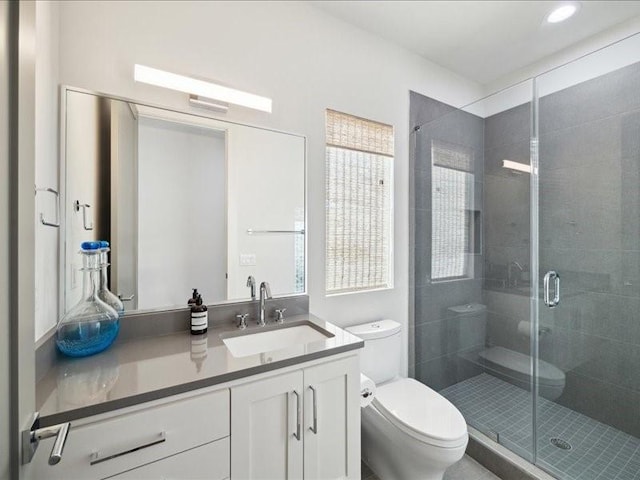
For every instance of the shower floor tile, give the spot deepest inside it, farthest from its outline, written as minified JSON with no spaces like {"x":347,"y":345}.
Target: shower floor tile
{"x":597,"y":451}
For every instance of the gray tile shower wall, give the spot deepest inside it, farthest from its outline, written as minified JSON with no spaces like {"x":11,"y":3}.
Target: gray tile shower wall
{"x":440,"y":335}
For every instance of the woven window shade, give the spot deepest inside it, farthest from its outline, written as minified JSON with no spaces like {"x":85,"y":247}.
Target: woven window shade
{"x":452,"y":156}
{"x":452,"y":194}
{"x":359,"y":166}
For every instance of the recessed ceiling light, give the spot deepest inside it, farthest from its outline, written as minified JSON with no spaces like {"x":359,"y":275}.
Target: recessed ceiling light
{"x":562,"y":13}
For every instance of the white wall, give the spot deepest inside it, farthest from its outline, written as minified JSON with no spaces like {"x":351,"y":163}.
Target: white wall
{"x":304,"y":59}
{"x":6,"y":432}
{"x":611,"y":51}
{"x":602,"y":40}
{"x":181,"y":209}
{"x":46,"y":133}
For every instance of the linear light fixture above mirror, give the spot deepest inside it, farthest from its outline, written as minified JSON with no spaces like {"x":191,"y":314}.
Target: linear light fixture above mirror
{"x":208,"y":103}
{"x":201,"y":88}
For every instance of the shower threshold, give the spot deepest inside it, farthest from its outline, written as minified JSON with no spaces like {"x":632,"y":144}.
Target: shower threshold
{"x":571,"y":446}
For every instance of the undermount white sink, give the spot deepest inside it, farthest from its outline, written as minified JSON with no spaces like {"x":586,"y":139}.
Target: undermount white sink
{"x":283,"y":337}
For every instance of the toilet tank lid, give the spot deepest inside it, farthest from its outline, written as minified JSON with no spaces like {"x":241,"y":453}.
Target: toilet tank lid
{"x":377,"y":329}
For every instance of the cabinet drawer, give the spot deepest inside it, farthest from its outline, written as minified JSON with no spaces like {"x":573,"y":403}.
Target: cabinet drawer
{"x":210,"y":462}
{"x":118,"y":444}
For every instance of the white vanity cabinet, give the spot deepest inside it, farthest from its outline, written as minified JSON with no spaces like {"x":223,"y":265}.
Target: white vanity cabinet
{"x":108,"y":445}
{"x":304,"y":424}
{"x":297,"y":422}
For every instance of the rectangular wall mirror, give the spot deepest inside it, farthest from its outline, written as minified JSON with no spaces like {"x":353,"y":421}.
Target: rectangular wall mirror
{"x":185,"y":201}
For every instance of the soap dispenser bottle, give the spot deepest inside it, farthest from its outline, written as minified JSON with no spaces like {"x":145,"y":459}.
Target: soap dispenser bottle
{"x":192,"y":301}
{"x":199,"y":317}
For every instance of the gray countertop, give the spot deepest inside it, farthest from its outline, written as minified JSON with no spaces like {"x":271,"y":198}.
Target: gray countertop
{"x":145,"y":369}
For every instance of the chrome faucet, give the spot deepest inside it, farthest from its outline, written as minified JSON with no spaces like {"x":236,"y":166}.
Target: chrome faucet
{"x":513,"y":282}
{"x":251,"y":283}
{"x":265,"y":294}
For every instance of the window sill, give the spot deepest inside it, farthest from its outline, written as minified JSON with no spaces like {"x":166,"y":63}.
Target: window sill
{"x":354,"y":292}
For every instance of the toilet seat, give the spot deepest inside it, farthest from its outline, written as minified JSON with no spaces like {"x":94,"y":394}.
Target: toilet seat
{"x":421,"y":413}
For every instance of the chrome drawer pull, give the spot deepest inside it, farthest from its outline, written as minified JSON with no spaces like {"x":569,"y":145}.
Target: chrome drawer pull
{"x":314,"y":427}
{"x":97,"y":457}
{"x":296,"y":434}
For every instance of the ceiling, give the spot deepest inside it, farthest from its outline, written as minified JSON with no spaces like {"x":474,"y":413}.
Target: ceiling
{"x":480,"y":40}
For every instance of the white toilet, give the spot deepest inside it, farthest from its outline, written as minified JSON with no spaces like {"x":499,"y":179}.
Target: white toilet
{"x":409,"y":432}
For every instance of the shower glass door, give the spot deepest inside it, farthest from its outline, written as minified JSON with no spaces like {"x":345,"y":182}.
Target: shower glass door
{"x":526,"y":290}
{"x":587,"y":404}
{"x":472,"y":336}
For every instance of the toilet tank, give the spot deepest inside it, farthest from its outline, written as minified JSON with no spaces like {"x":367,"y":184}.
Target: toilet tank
{"x":382,"y":353}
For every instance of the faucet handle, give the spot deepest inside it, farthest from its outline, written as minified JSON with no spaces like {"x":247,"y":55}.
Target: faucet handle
{"x":242,"y":320}
{"x":280,"y":314}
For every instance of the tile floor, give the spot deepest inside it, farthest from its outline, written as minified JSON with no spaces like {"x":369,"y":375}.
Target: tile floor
{"x":598,"y":451}
{"x":465,"y":469}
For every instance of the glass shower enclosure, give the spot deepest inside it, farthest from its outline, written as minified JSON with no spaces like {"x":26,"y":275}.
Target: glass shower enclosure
{"x":526,"y":287}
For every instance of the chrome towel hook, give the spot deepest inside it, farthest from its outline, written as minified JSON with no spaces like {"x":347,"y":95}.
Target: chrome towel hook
{"x":84,"y":206}
{"x":56,"y":223}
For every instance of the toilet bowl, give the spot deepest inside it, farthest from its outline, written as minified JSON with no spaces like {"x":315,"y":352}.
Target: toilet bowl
{"x":409,"y":432}
{"x":515,"y":368}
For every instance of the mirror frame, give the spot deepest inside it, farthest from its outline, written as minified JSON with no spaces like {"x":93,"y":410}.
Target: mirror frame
{"x":62,"y":186}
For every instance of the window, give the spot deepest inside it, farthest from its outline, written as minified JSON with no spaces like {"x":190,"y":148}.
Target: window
{"x":453,"y":218}
{"x":359,"y":177}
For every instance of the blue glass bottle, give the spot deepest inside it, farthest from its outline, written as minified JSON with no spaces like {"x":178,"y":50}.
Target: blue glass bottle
{"x":91,"y":325}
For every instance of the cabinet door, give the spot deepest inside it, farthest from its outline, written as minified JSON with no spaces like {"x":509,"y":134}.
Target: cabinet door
{"x":332,"y":420}
{"x":266,"y":428}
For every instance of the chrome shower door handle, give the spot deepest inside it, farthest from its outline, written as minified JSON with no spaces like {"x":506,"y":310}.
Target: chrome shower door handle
{"x":551,"y":275}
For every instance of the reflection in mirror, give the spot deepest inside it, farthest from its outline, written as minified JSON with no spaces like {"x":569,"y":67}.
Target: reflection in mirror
{"x":185,"y":201}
